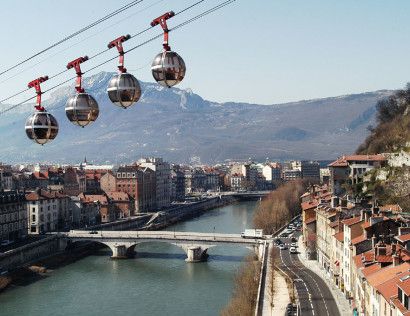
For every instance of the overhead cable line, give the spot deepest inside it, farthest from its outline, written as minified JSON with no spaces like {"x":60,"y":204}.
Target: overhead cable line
{"x":101,"y":52}
{"x":77,"y":43}
{"x":108,"y":16}
{"x":213,"y":9}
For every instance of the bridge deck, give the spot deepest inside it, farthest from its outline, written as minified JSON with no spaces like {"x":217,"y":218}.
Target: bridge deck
{"x":161,"y":235}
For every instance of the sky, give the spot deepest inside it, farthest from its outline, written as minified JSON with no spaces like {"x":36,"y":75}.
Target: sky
{"x":261,"y":51}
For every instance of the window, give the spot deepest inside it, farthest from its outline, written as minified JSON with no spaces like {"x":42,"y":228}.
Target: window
{"x":33,"y":217}
{"x":406,"y":301}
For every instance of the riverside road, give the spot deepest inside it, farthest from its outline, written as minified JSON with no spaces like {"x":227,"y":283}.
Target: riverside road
{"x":314,"y":295}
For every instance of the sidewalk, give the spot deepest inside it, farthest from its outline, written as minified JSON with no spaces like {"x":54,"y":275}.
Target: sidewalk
{"x":275,"y":305}
{"x":313,"y":265}
{"x":281,"y":295}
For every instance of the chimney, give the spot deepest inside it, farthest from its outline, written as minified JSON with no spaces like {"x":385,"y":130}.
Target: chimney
{"x":366,"y":216}
{"x":396,"y":260}
{"x":374,"y":241}
{"x":334,"y":202}
{"x":362,"y":217}
{"x":393,"y":248}
{"x":382,"y":250}
{"x":375,"y":210}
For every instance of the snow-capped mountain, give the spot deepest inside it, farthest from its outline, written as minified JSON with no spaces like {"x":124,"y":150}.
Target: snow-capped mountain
{"x":179,"y":124}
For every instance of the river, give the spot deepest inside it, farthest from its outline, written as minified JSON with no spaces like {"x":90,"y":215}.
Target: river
{"x":156,"y":282}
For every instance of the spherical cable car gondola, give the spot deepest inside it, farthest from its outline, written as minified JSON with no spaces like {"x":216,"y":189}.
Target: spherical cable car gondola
{"x":81,"y":109}
{"x":123,"y":89}
{"x":41,"y":127}
{"x":168,"y":68}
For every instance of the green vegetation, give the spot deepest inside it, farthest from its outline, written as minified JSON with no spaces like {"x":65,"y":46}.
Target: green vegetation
{"x":392,"y":132}
{"x":389,"y":185}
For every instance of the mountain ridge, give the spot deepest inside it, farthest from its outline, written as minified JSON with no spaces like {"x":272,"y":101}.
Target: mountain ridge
{"x":180,"y":125}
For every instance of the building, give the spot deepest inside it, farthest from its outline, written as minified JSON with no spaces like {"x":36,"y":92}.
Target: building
{"x":162,"y":172}
{"x":177,"y":184}
{"x":84,"y":213}
{"x":47,"y":211}
{"x":351,"y":169}
{"x":291,"y":174}
{"x":123,"y":206}
{"x":140,"y":184}
{"x":272,"y":171}
{"x":310,"y":170}
{"x":105,"y":209}
{"x":74,"y":181}
{"x":13,"y":215}
{"x":108,"y":182}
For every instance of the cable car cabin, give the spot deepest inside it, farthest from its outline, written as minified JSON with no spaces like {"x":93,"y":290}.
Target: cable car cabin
{"x":168,"y":68}
{"x":124,"y":90}
{"x":82,"y":109}
{"x":41,"y":127}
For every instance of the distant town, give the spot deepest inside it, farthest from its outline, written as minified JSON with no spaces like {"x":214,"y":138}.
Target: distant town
{"x":38,"y":199}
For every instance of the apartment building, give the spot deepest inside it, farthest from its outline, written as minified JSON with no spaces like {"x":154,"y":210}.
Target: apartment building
{"x":13,"y":215}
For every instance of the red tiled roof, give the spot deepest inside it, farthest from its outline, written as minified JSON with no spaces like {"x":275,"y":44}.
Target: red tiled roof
{"x":309,"y":205}
{"x":339,"y":236}
{"x":391,"y":207}
{"x":311,"y":220}
{"x":358,"y":239}
{"x":405,"y":286}
{"x":44,"y":195}
{"x":370,"y":270}
{"x":118,"y":196}
{"x":40,"y":175}
{"x":93,"y":198}
{"x":400,"y":306}
{"x":403,"y":238}
{"x":387,"y":273}
{"x":352,"y":221}
{"x":343,"y":161}
{"x":389,"y":288}
{"x":334,"y":224}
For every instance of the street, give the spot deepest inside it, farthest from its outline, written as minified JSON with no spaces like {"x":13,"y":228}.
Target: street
{"x":314,"y":295}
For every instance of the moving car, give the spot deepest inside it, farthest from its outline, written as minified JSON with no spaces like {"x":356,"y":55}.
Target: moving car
{"x":293,"y":250}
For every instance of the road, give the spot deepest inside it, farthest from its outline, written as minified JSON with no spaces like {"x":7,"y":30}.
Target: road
{"x":314,"y":295}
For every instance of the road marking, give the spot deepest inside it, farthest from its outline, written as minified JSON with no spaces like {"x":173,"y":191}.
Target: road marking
{"x":314,"y":281}
{"x":297,"y":278}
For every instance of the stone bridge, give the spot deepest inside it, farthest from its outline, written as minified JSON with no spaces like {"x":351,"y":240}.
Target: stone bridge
{"x":195,"y":245}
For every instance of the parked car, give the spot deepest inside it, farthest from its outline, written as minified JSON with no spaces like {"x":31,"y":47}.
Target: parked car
{"x":278,"y":241}
{"x":294,"y":244}
{"x":282,"y":247}
{"x":291,"y":310}
{"x":294,"y":239}
{"x":293,"y":250}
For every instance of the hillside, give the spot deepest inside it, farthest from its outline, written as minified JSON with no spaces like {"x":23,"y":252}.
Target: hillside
{"x":179,"y":125}
{"x":391,"y":134}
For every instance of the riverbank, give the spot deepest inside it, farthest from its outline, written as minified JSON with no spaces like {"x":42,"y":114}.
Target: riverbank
{"x":157,"y":279}
{"x":51,"y":257}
